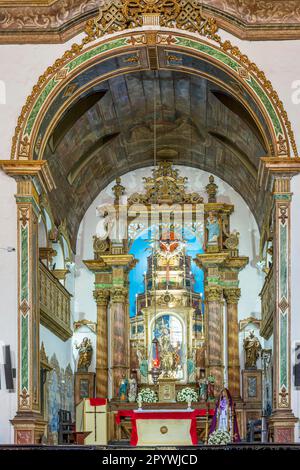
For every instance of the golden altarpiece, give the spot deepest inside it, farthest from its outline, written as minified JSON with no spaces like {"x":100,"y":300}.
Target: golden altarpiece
{"x":189,"y":326}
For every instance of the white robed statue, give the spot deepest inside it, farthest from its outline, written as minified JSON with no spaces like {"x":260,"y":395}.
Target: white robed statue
{"x":224,"y":414}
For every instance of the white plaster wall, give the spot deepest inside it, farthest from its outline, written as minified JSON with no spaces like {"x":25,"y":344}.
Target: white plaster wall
{"x":242,"y":220}
{"x":21,"y":66}
{"x":54,"y":345}
{"x":8,"y":304}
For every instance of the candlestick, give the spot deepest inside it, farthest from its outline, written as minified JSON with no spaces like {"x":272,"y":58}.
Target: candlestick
{"x":184,"y":270}
{"x":191,"y":294}
{"x":202,"y":317}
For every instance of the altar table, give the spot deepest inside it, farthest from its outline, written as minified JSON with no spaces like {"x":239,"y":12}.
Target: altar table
{"x":164,"y":427}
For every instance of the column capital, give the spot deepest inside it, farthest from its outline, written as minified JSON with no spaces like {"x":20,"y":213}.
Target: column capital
{"x":213,"y":294}
{"x":272,"y":169}
{"x":232,"y":295}
{"x":20,"y":169}
{"x":119,"y":294}
{"x":102,"y":296}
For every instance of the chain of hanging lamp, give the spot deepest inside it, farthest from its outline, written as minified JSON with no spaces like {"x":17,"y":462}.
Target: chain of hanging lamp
{"x":156,"y":370}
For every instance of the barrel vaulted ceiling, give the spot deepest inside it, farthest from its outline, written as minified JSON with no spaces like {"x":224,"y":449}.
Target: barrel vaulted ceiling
{"x":110,"y":131}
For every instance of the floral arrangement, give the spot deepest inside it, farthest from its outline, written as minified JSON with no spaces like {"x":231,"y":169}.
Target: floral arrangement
{"x":147,"y":396}
{"x":219,"y":438}
{"x":187,"y":395}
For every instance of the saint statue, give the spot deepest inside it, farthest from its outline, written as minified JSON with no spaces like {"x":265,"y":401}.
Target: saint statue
{"x":252,"y":349}
{"x":213,"y":229}
{"x":167,"y":352}
{"x":225,"y":418}
{"x":191,"y":366}
{"x":132,"y":391}
{"x":85,"y":355}
{"x":211,"y":387}
{"x":203,"y":386}
{"x":123,"y":388}
{"x":143,"y":363}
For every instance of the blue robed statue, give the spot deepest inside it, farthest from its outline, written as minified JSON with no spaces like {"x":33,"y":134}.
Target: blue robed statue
{"x":213,"y":228}
{"x":123,"y":389}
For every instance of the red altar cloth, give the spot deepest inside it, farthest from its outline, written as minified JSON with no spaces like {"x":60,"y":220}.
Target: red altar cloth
{"x":192,"y":415}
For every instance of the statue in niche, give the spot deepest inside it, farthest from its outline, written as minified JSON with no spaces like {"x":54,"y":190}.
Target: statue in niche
{"x":213,"y":229}
{"x":252,"y":349}
{"x":132,"y":390}
{"x":169,"y":355}
{"x":123,"y":388}
{"x":85,"y":355}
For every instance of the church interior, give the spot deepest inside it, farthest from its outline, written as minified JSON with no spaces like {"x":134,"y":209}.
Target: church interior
{"x":149,"y":184}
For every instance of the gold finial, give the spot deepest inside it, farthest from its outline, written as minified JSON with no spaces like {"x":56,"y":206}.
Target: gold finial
{"x":212,"y":189}
{"x":118,"y":190}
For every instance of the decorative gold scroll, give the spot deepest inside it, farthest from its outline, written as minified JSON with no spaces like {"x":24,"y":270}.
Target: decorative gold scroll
{"x":117,"y":15}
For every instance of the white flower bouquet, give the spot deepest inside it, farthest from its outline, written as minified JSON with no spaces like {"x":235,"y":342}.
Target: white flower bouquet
{"x":219,"y":438}
{"x":187,"y":395}
{"x":147,"y":396}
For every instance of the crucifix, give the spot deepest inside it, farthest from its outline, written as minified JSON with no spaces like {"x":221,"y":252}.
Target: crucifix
{"x":95,"y":413}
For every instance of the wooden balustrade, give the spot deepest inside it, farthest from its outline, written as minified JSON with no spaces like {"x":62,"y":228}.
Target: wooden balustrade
{"x":55,"y":304}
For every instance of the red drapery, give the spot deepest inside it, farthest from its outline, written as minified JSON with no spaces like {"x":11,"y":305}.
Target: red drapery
{"x":98,"y":401}
{"x":192,"y":415}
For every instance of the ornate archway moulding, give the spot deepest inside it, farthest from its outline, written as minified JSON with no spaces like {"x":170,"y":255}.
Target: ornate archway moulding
{"x":46,"y":21}
{"x":228,"y":56}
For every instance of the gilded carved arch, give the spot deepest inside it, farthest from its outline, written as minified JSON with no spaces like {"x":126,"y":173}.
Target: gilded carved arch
{"x":154,"y":24}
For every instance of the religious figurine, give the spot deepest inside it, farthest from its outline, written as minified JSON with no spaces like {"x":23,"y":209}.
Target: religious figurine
{"x":143,"y":363}
{"x":191,"y":367}
{"x":123,"y":388}
{"x":132,"y":391}
{"x":225,"y":418}
{"x":213,"y":229}
{"x":211,"y":387}
{"x":203,"y":386}
{"x":85,"y":355}
{"x":252,"y":349}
